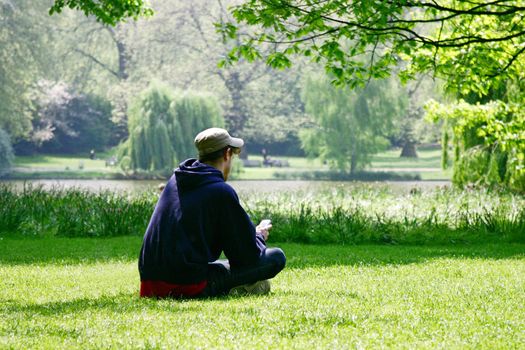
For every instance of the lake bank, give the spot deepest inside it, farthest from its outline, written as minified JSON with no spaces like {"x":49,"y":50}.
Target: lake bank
{"x":242,"y":186}
{"x":310,"y":212}
{"x":384,"y":166}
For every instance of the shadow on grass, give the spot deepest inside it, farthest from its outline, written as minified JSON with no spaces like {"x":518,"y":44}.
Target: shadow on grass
{"x":67,"y":251}
{"x":62,"y":251}
{"x":120,"y":303}
{"x":304,"y":256}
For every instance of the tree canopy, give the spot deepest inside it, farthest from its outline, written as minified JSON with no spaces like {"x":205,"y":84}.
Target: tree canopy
{"x":107,"y":11}
{"x":474,"y":44}
{"x":162,"y":126}
{"x":348,"y":125}
{"x":22,"y":60}
{"x":488,"y":140}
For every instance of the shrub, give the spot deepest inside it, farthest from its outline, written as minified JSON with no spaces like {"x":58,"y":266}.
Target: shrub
{"x":67,"y":121}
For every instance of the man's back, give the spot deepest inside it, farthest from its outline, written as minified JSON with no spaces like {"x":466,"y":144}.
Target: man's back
{"x":197,"y":217}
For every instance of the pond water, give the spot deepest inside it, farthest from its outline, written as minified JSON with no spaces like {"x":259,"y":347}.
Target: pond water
{"x":264,"y":186}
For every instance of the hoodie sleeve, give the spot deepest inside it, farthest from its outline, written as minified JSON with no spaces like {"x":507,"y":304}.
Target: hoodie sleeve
{"x":242,"y":245}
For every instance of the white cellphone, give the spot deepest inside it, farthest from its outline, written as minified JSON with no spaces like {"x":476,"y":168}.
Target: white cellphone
{"x":265,"y":223}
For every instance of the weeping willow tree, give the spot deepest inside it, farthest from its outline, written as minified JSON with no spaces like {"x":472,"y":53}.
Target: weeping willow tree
{"x":195,"y":112}
{"x":150,"y":120}
{"x":162,"y":126}
{"x":348,"y":125}
{"x":488,"y":141}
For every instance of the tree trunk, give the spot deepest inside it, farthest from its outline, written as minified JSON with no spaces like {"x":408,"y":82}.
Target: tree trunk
{"x":409,"y":150}
{"x":353,"y":163}
{"x":237,"y":115}
{"x":122,"y":60}
{"x":122,"y":54}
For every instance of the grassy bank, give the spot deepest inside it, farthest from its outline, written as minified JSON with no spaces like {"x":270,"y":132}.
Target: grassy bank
{"x":80,"y":293}
{"x":330,"y":214}
{"x":64,"y":167}
{"x":386,"y":165}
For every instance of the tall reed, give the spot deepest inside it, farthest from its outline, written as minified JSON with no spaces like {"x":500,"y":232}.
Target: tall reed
{"x":74,"y":212}
{"x":335,"y":214}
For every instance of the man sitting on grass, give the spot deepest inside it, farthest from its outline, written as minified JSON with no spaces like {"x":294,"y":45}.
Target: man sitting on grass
{"x":198,"y":216}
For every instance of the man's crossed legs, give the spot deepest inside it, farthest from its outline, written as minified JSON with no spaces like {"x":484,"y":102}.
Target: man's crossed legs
{"x":253,"y":279}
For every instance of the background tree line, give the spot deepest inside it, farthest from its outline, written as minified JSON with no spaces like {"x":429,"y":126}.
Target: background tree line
{"x":479,"y":61}
{"x":111,"y":65}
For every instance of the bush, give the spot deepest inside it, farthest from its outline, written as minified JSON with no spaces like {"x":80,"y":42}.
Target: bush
{"x":66,"y":121}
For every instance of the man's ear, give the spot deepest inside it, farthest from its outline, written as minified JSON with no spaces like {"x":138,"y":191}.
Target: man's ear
{"x":226,"y":152}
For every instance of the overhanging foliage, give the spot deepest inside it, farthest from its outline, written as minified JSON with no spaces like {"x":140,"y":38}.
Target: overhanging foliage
{"x":474,"y":45}
{"x":107,"y":11}
{"x":489,"y":142}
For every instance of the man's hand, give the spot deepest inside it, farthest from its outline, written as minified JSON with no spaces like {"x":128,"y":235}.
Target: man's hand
{"x":264,"y":228}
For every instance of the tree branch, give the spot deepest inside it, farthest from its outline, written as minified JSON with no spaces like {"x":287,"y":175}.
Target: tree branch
{"x":473,"y":10}
{"x":101,"y":64}
{"x":396,"y":30}
{"x":509,"y":63}
{"x":372,"y":61}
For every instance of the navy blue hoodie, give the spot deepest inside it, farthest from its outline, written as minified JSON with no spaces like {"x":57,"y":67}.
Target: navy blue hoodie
{"x":197,"y":217}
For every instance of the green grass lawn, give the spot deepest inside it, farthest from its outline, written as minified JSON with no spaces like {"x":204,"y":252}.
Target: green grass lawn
{"x":82,"y":293}
{"x":51,"y":166}
{"x":427,"y":166}
{"x":427,"y":158}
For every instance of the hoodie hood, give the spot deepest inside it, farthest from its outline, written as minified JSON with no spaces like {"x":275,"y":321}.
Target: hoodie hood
{"x":191,"y":173}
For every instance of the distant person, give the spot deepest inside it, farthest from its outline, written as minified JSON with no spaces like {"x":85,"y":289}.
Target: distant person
{"x":266,"y":159}
{"x":198,"y":216}
{"x":92,"y":154}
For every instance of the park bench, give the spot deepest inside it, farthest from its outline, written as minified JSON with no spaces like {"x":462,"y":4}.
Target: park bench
{"x":279,"y":163}
{"x":251,"y":163}
{"x":111,"y":161}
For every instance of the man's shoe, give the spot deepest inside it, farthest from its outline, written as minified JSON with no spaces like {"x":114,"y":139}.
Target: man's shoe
{"x":257,"y":288}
